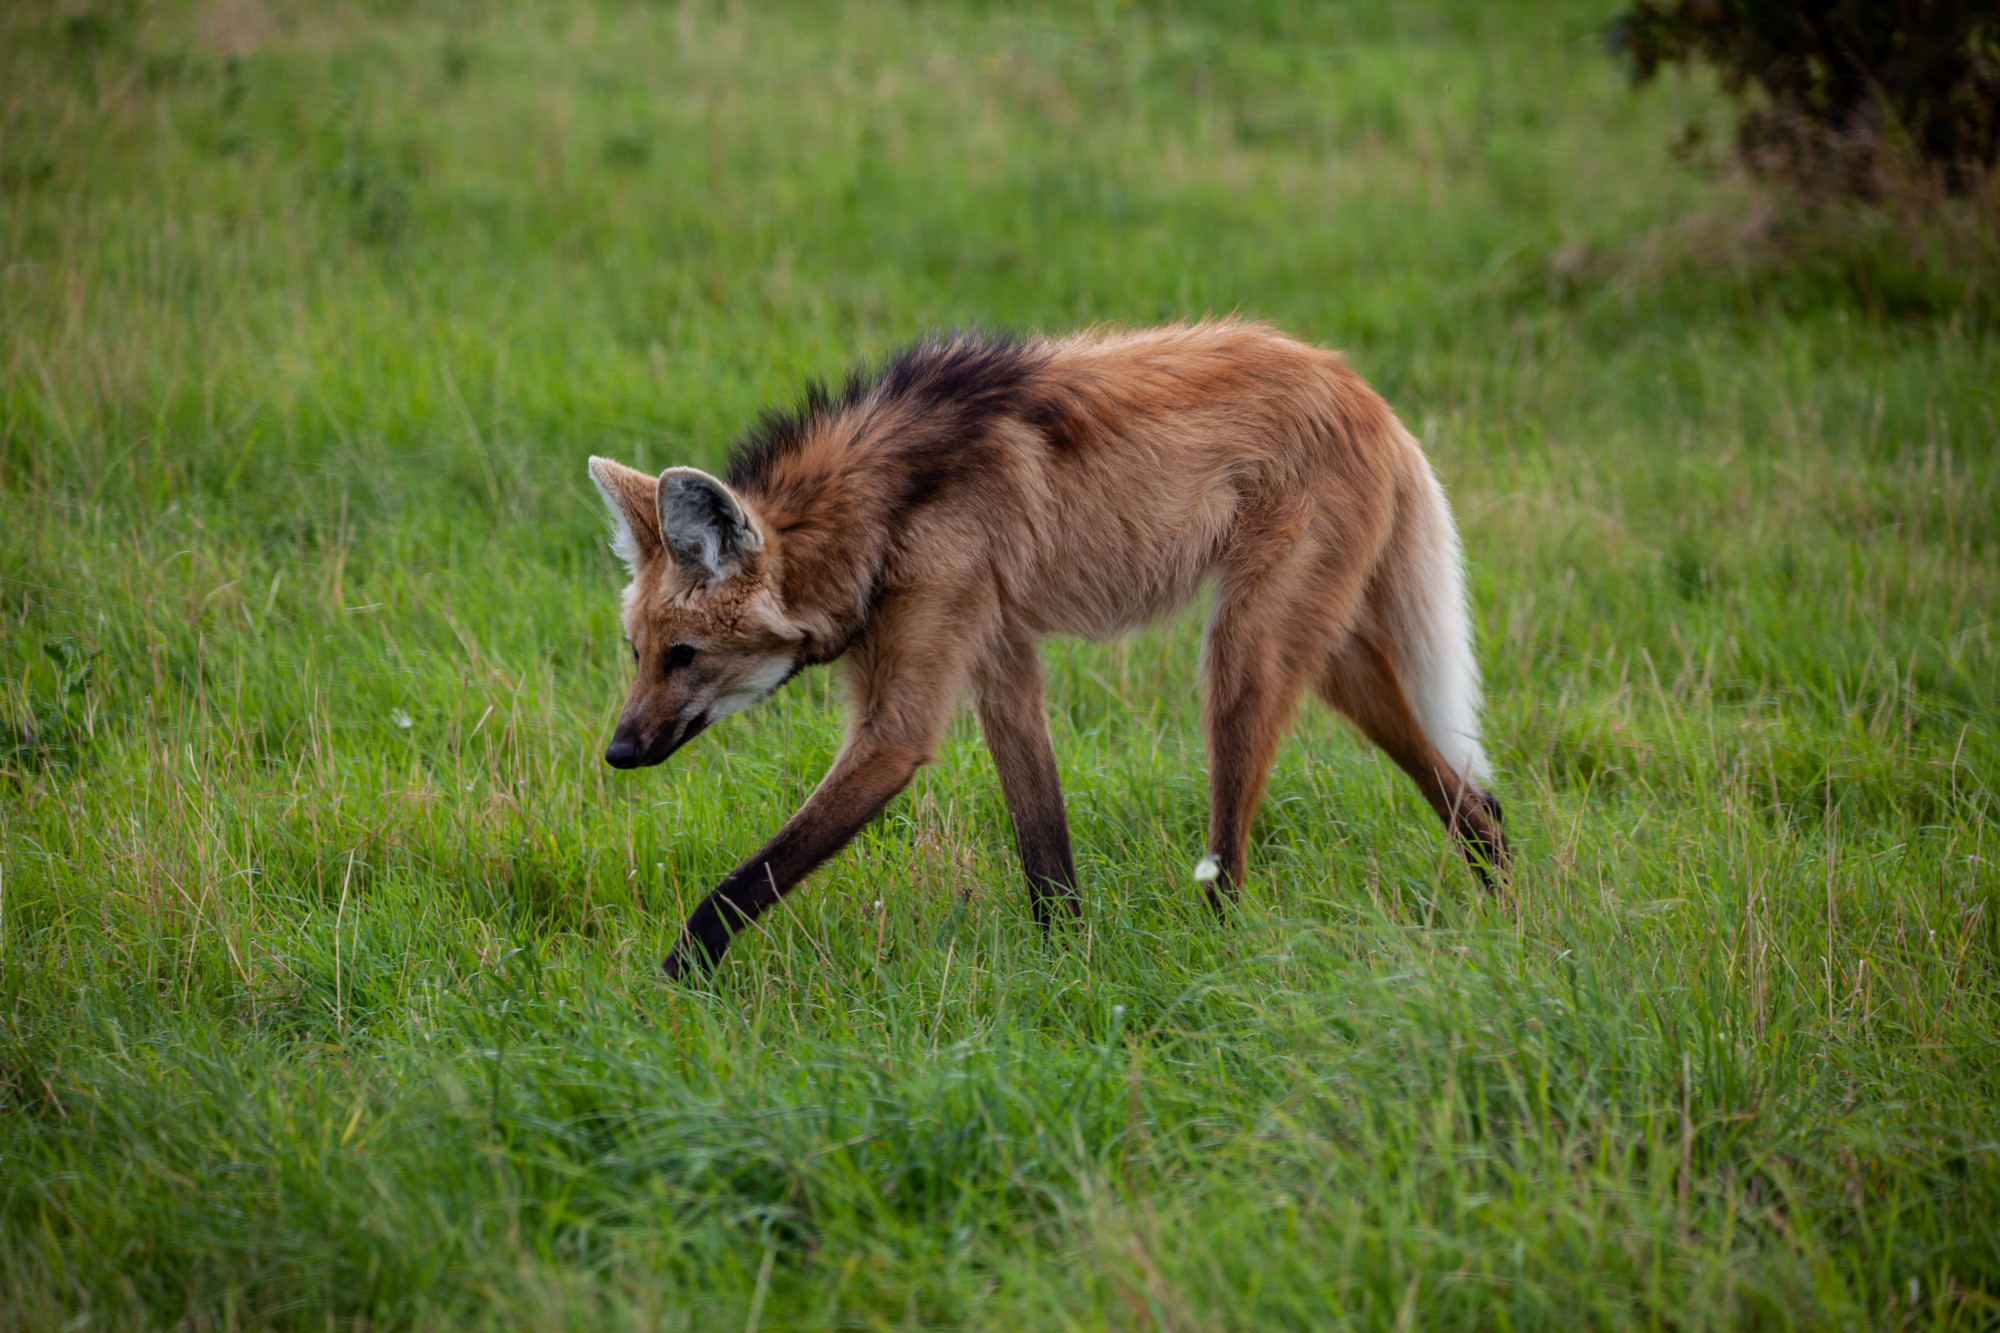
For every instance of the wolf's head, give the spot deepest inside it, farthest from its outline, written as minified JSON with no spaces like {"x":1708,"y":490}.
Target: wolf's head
{"x":708,"y":632}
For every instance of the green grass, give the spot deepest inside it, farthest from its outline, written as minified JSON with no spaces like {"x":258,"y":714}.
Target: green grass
{"x":328,"y":991}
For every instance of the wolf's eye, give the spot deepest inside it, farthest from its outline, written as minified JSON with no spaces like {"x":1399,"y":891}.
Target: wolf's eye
{"x":679,"y":656}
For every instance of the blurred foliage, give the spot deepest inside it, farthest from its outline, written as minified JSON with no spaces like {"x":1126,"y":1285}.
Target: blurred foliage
{"x":1835,"y":90}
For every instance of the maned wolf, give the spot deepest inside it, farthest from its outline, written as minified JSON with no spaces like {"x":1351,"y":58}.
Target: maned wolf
{"x":932,"y":520}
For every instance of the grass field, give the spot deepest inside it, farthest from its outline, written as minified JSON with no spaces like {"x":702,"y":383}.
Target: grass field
{"x":328,"y":947}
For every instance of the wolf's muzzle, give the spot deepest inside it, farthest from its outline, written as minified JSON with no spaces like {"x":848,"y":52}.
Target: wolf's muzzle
{"x":626,"y":751}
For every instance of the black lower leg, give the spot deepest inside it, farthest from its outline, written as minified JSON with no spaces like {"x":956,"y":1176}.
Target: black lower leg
{"x":1220,"y":872}
{"x":1480,"y":837}
{"x":832,"y":816}
{"x":1049,"y":895}
{"x":710,"y":927}
{"x":1042,"y":839}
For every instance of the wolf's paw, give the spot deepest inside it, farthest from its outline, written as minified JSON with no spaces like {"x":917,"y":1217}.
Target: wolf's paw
{"x":680,"y":965}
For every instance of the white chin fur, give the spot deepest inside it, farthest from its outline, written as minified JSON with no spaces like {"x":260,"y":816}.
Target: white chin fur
{"x":753,"y":689}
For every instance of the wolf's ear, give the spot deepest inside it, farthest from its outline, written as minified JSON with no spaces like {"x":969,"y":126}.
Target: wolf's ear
{"x":628,"y":494}
{"x":707,"y":530}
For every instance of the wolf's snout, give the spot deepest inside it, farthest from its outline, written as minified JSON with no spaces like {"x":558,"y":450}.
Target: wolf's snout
{"x":630,"y":750}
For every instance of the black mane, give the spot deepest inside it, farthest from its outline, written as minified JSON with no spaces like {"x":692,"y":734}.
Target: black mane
{"x":966,"y":377}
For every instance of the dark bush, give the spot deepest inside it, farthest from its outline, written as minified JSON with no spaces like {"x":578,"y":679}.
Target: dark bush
{"x":1841,"y":94}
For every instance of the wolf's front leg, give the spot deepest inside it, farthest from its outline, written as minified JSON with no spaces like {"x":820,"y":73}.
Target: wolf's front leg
{"x":905,"y":674}
{"x":863,"y":780}
{"x":1016,"y":725}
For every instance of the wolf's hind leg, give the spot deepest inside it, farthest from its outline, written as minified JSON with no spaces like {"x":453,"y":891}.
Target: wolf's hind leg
{"x":1360,"y":682}
{"x":1253,"y":674}
{"x":1012,"y":716}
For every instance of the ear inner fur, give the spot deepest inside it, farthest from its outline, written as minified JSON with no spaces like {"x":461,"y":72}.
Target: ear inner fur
{"x":704,"y":524}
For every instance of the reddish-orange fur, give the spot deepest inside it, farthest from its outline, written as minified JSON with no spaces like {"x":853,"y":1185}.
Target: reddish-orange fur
{"x":933,"y":524}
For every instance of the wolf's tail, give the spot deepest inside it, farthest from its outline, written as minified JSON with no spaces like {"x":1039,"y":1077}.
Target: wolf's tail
{"x":1421,"y":597}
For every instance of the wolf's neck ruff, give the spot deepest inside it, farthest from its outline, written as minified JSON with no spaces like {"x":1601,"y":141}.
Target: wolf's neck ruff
{"x":845,"y":471}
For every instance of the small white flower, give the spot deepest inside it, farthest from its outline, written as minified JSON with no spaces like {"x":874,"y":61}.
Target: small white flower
{"x":400,"y":718}
{"x":1207,"y":870}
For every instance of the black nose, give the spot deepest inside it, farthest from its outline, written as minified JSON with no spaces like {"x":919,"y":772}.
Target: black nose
{"x":621,"y":753}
